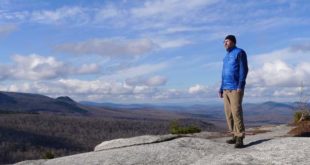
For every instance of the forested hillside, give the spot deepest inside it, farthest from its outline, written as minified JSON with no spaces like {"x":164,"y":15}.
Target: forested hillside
{"x":36,"y":136}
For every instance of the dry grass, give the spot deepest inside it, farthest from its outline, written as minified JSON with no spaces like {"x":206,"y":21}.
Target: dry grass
{"x":302,"y":129}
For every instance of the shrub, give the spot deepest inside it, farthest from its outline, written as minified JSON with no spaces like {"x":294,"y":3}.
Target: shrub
{"x":302,"y":129}
{"x":297,"y":116}
{"x":301,"y":115}
{"x":303,"y":107}
{"x":48,"y":155}
{"x":175,"y":128}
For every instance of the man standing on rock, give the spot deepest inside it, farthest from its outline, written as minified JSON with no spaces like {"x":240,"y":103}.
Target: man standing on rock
{"x":234,"y":73}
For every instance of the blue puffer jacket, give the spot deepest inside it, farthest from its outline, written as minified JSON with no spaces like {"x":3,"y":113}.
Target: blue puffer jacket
{"x":235,"y":69}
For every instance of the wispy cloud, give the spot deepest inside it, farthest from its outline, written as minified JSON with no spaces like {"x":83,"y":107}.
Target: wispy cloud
{"x":151,"y":81}
{"x":136,"y":71}
{"x":109,"y":47}
{"x":7,"y":29}
{"x":171,"y":43}
{"x":120,"y":47}
{"x":60,"y":15}
{"x":164,"y":16}
{"x":168,"y":8}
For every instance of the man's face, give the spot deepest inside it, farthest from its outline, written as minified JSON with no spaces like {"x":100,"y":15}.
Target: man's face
{"x":228,"y":44}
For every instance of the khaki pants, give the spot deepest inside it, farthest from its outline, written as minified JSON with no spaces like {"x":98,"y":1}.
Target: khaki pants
{"x":233,"y":111}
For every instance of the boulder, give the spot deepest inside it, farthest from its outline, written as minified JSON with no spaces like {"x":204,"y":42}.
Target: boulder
{"x":269,"y":145}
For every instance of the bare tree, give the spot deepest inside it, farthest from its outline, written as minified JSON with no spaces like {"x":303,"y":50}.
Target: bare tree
{"x":302,"y":110}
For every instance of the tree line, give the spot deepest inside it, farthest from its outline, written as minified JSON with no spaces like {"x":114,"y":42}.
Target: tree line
{"x":33,"y":136}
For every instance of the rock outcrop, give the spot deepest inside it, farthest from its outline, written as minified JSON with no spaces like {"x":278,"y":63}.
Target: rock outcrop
{"x":266,"y":145}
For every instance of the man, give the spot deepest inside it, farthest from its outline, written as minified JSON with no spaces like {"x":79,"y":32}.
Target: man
{"x":234,"y":73}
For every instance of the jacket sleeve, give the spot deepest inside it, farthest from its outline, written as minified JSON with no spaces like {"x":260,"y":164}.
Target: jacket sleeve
{"x":221,"y":87}
{"x":243,"y":70}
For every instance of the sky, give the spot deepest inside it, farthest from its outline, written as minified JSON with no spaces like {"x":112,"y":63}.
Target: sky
{"x":152,"y":51}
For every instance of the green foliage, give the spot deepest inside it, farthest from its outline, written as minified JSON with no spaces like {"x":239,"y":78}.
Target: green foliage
{"x":297,"y":116}
{"x":301,"y":114}
{"x":48,"y":155}
{"x":175,"y":128}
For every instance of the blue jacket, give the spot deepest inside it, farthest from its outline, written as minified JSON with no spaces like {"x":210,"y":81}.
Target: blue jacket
{"x":235,"y":69}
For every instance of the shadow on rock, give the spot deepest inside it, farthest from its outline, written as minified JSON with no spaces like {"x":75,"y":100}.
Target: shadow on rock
{"x":256,"y":142}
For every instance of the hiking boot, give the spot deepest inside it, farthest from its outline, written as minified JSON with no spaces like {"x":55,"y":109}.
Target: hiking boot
{"x":231,"y":141}
{"x":239,"y":142}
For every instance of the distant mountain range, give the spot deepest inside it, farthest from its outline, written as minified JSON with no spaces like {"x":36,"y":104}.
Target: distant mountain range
{"x":36,"y":124}
{"x":174,"y":107}
{"x":35,"y":103}
{"x":267,"y":112}
{"x":13,"y":102}
{"x":255,"y":113}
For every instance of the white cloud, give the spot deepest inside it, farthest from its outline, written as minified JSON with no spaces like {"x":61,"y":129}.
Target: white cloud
{"x":110,"y":47}
{"x":117,"y":47}
{"x":143,"y":91}
{"x":286,"y":92}
{"x":279,"y":73}
{"x":196,"y":89}
{"x":172,"y":43}
{"x":285,"y":67}
{"x":81,"y":89}
{"x":184,"y":29}
{"x":137,"y":87}
{"x":272,"y":74}
{"x":169,"y":94}
{"x":69,"y":15}
{"x":104,"y":90}
{"x":156,"y":81}
{"x":36,"y":67}
{"x":60,"y":15}
{"x":169,"y":8}
{"x":108,"y":12}
{"x":87,"y":69}
{"x":273,"y":93}
{"x":276,"y":21}
{"x":136,"y":71}
{"x":76,"y":86}
{"x":172,"y":16}
{"x":160,"y":24}
{"x":305,"y":47}
{"x":151,"y":81}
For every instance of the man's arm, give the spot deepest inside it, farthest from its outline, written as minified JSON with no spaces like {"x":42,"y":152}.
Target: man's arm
{"x":220,"y":93}
{"x":243,"y":70}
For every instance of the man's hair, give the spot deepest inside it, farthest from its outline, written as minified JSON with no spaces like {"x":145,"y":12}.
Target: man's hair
{"x":231,"y":38}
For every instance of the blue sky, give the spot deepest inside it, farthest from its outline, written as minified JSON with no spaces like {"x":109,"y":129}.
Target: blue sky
{"x":152,"y":51}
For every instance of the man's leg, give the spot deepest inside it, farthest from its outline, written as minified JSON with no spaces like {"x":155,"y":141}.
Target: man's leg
{"x":236,"y":109}
{"x":229,"y":116}
{"x":228,"y":113}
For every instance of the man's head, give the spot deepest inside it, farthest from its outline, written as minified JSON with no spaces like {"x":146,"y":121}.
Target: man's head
{"x":230,"y":42}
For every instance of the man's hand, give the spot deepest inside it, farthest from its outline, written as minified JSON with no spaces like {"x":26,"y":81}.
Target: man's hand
{"x":220,"y":94}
